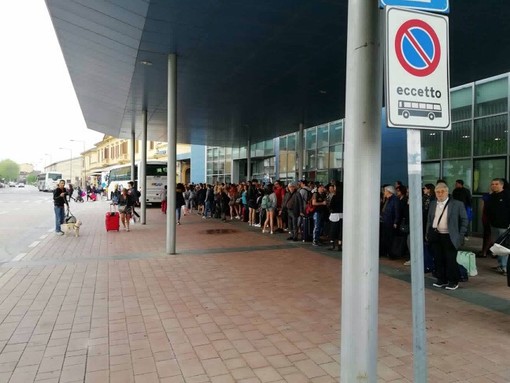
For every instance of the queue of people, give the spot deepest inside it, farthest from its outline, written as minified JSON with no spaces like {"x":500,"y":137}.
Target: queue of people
{"x":307,"y":211}
{"x":446,"y":219}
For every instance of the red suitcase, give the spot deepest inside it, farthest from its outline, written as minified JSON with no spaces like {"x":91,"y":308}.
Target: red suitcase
{"x":112,"y":221}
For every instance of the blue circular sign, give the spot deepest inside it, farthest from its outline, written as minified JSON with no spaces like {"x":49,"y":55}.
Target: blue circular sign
{"x":417,"y":48}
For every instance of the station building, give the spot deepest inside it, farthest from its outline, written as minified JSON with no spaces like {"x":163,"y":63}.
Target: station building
{"x":476,"y":149}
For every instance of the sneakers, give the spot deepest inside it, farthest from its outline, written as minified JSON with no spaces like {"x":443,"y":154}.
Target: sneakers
{"x":407,"y":263}
{"x":499,"y":269}
{"x":59,"y":233}
{"x":452,"y":286}
{"x":447,"y":286}
{"x":257,"y":225}
{"x":315,"y":243}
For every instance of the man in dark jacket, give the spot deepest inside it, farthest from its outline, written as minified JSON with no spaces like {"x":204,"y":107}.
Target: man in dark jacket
{"x":294,"y":206}
{"x":447,"y":224}
{"x":389,"y":219}
{"x":59,"y":203}
{"x":498,"y":214}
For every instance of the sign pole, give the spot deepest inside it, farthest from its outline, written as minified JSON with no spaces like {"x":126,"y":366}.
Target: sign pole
{"x":416,"y":251}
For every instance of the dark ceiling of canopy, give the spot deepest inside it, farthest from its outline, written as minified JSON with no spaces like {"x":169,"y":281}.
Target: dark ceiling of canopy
{"x":246,"y":69}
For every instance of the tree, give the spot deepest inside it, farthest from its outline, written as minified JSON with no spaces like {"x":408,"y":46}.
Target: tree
{"x":31,"y":179}
{"x":9,"y":170}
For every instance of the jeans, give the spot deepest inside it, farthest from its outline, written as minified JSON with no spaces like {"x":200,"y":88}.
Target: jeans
{"x":495,"y":233}
{"x":317,"y":220}
{"x":208,"y":208}
{"x":59,"y":217}
{"x":178,"y":213}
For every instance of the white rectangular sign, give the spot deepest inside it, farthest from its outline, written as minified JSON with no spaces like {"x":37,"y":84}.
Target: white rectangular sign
{"x":426,"y":5}
{"x":417,"y":70}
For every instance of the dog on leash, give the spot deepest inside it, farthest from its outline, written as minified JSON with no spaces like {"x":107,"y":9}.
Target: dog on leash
{"x":69,"y":228}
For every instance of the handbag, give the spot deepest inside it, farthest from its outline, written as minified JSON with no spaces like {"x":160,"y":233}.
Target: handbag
{"x":404,"y":228}
{"x":69,"y":218}
{"x":502,"y":244}
{"x":122,"y":208}
{"x":335,"y":217}
{"x":434,"y":235}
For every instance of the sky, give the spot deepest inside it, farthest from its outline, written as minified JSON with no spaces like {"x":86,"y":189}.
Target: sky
{"x":39,"y":111}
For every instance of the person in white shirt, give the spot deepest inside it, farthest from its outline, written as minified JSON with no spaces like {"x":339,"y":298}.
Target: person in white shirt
{"x":447,"y":223}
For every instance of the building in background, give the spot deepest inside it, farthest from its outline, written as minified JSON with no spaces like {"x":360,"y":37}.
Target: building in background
{"x":476,"y":149}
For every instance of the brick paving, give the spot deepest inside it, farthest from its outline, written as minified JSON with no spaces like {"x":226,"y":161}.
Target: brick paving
{"x":236,"y":307}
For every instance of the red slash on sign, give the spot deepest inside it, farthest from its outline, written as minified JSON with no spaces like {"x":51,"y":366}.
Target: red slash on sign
{"x":417,"y":48}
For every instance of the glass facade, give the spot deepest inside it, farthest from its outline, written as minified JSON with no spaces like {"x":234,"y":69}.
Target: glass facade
{"x":476,"y":149}
{"x":323,"y":157}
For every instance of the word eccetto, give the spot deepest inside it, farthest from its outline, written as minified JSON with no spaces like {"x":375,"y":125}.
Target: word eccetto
{"x":420,"y":92}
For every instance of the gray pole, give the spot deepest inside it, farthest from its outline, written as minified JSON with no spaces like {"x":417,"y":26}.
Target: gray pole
{"x":172,"y":142}
{"x":133,"y":154}
{"x":360,"y":257}
{"x":417,"y":272}
{"x":142,"y":170}
{"x":300,"y":151}
{"x":71,"y":166}
{"x":248,"y":161}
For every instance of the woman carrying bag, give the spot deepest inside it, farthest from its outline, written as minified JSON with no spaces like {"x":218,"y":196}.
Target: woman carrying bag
{"x":336,"y":209}
{"x":125,"y":207}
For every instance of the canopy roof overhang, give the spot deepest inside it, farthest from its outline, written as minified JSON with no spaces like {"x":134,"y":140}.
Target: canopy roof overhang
{"x":246,"y":69}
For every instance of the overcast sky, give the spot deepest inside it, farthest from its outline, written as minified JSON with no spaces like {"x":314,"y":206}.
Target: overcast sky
{"x":39,"y":111}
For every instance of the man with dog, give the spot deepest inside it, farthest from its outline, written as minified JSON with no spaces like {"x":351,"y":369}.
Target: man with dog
{"x":59,"y":201}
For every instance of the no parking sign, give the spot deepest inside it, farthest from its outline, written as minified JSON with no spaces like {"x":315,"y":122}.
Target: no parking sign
{"x":417,"y":70}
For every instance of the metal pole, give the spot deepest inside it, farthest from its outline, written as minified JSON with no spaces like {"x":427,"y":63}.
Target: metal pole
{"x":172,"y":142}
{"x":416,"y":250}
{"x":142,"y":170}
{"x":71,"y":166}
{"x":84,"y":182}
{"x":248,"y":161}
{"x":133,"y":154}
{"x":360,"y":258}
{"x":300,"y":151}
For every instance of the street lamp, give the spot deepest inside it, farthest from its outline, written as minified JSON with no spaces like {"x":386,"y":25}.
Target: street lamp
{"x":70,"y":163}
{"x":51,"y":159}
{"x":84,"y":181}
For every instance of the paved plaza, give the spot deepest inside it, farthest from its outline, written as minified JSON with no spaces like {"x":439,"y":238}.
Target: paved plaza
{"x":234,"y":305}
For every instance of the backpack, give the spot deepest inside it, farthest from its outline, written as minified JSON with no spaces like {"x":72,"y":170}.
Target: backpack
{"x":310,"y":208}
{"x":266,"y":203}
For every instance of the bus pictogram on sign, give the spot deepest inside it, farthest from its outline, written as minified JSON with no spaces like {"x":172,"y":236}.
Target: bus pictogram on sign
{"x":417,"y":48}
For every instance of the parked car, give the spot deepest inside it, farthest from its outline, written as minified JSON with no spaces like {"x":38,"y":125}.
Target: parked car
{"x":12,"y":184}
{"x":21,"y":185}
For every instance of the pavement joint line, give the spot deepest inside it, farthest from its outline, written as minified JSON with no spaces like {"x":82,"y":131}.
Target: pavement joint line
{"x":43,"y":236}
{"x":133,"y":257}
{"x":18,"y":257}
{"x":34,"y":244}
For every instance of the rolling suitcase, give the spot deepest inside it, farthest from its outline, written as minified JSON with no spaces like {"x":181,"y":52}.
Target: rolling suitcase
{"x":112,"y":220}
{"x":307,"y":229}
